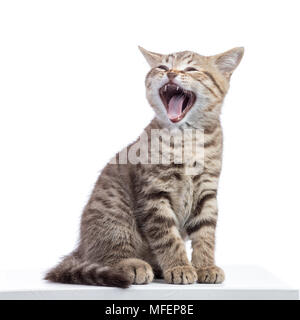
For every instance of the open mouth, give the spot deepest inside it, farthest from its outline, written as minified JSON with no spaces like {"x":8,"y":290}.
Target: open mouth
{"x":176,"y":100}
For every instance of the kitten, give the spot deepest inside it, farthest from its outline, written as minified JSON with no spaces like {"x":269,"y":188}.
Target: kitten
{"x":141,"y":211}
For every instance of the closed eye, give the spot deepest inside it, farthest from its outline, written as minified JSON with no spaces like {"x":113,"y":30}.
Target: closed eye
{"x":190,"y":69}
{"x":163,"y":67}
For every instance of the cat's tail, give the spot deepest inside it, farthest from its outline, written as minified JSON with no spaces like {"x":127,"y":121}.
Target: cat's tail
{"x":72,"y":271}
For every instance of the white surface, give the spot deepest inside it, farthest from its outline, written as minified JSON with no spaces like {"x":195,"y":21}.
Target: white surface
{"x":71,"y":68}
{"x":241,"y":283}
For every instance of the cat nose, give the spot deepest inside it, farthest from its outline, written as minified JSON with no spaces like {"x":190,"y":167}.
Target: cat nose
{"x":171,"y":75}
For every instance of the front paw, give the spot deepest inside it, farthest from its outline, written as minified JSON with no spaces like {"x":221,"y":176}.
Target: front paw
{"x":212,"y":274}
{"x":180,"y":275}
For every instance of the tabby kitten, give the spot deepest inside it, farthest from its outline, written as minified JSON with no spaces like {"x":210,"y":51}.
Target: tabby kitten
{"x":140,"y":212}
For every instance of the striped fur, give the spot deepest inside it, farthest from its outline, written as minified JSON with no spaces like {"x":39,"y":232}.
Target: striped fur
{"x":139,"y":215}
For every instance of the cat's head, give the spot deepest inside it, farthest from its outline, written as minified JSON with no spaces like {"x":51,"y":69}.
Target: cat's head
{"x":185,"y":88}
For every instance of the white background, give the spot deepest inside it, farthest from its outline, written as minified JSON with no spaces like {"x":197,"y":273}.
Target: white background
{"x":72,"y":94}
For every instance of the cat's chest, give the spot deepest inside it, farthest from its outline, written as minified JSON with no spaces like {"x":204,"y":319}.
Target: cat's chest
{"x":183,"y":199}
{"x":186,"y":189}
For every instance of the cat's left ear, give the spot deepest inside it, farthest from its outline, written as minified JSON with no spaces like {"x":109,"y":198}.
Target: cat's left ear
{"x":152,"y":58}
{"x":227,"y":62}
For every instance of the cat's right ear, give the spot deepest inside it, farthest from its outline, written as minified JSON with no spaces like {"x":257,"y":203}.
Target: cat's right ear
{"x":227,"y":62}
{"x":152,"y":58}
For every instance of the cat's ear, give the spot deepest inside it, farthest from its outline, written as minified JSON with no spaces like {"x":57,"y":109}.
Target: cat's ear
{"x":152,"y":58}
{"x":227,"y":62}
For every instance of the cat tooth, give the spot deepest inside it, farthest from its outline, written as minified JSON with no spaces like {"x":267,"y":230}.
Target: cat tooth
{"x":177,"y":88}
{"x":165,"y":88}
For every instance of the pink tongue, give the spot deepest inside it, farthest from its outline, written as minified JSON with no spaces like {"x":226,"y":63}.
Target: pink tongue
{"x":175,"y":107}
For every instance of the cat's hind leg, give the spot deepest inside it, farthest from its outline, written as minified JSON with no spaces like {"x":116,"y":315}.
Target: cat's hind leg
{"x":109,"y":231}
{"x":136,"y":270}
